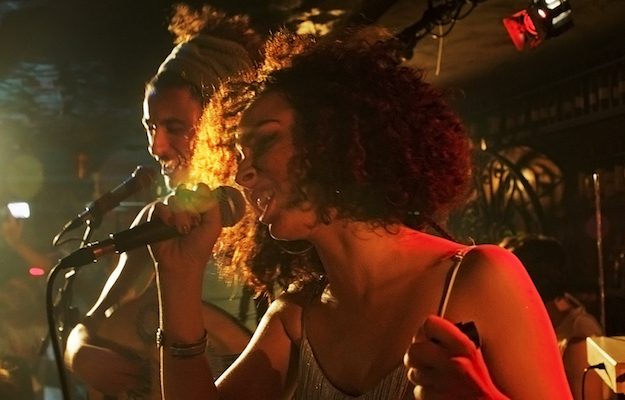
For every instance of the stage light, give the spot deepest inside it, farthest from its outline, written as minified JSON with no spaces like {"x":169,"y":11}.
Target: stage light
{"x":541,"y":20}
{"x":522,"y":30}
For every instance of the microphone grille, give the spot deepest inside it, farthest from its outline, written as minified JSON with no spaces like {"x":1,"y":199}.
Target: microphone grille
{"x":231,"y":205}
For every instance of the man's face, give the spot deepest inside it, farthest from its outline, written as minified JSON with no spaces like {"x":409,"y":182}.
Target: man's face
{"x":170,"y":117}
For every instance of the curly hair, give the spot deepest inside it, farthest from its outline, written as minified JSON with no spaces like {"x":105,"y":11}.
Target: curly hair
{"x":373,"y":141}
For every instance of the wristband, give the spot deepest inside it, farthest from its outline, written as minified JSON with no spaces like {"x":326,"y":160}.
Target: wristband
{"x":184,"y":350}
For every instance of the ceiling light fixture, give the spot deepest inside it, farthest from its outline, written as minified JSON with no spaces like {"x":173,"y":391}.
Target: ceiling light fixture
{"x":438,"y":13}
{"x":541,"y":20}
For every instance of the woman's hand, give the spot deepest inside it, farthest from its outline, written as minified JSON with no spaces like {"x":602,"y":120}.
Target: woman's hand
{"x":195,"y":215}
{"x":445,"y":364}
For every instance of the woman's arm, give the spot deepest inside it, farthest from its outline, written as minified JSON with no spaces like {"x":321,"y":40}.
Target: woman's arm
{"x":263,"y":369}
{"x":268,"y":367}
{"x":518,"y":359}
{"x":519,"y":343}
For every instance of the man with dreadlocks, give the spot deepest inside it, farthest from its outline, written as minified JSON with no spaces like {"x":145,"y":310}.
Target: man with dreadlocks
{"x":210,"y":48}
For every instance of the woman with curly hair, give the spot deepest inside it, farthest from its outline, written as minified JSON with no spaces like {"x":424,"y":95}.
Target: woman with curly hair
{"x":342,"y":148}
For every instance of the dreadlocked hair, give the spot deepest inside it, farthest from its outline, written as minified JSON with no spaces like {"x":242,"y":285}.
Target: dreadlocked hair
{"x":187,"y":23}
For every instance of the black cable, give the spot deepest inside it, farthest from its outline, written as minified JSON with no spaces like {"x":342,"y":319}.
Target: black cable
{"x":473,"y":5}
{"x":597,"y":366}
{"x":445,"y":13}
{"x":452,"y":21}
{"x":52,"y":330}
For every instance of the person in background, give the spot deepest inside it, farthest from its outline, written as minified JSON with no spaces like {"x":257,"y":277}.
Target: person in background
{"x":210,"y":48}
{"x":29,"y":260}
{"x":22,"y":313}
{"x":546,"y":262}
{"x":342,"y":148}
{"x":15,"y":380}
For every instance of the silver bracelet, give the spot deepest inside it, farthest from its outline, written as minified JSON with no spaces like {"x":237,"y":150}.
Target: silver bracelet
{"x":184,"y":350}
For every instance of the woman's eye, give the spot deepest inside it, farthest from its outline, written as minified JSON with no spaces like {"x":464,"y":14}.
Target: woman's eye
{"x":256,"y":146}
{"x":262,"y":144}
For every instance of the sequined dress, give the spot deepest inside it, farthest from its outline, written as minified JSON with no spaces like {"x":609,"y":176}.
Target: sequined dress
{"x":314,"y":385}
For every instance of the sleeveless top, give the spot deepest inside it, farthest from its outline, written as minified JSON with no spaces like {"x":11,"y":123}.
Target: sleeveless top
{"x":312,"y":384}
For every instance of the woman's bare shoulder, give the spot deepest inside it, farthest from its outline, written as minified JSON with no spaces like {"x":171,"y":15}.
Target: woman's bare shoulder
{"x":490,"y":272}
{"x":288,"y":308}
{"x":491,"y":259}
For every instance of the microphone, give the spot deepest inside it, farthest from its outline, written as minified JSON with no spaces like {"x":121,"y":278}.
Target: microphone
{"x":231,"y":209}
{"x":140,"y":179}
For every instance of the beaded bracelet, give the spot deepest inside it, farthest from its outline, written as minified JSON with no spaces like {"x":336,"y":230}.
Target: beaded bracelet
{"x":184,"y":350}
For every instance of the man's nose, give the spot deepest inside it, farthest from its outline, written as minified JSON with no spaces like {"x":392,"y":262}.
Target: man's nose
{"x":158,"y":143}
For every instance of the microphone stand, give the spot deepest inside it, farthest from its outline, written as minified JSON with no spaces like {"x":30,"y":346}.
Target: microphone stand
{"x":63,"y":304}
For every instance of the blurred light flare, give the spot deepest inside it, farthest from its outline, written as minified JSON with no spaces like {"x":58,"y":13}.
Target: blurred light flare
{"x":19,"y":209}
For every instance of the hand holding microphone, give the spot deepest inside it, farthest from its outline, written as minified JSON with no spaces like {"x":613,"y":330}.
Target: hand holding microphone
{"x":190,"y":216}
{"x":199,"y":220}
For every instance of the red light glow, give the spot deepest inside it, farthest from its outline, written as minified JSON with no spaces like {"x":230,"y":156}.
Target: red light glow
{"x":36,"y":271}
{"x":529,"y":25}
{"x":521,"y":28}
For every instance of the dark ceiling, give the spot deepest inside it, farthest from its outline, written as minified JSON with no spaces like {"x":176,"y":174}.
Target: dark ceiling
{"x":477,"y":55}
{"x":72,"y":71}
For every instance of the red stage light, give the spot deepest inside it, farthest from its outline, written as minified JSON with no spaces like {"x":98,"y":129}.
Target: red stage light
{"x":520,"y":27}
{"x":541,"y":20}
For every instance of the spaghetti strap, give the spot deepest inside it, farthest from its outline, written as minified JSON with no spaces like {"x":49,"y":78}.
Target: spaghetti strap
{"x":450,"y":279}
